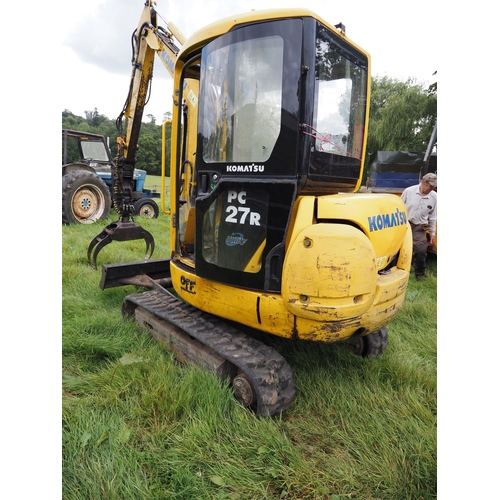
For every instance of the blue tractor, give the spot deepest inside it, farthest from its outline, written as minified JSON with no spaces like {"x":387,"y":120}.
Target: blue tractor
{"x":87,"y":181}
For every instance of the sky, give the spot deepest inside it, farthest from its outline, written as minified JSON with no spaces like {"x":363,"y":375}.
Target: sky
{"x":96,"y":43}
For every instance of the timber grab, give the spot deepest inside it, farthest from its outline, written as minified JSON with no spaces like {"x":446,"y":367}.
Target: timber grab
{"x":124,"y":229}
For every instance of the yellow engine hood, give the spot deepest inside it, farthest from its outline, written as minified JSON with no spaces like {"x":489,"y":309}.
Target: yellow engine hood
{"x":382,"y":217}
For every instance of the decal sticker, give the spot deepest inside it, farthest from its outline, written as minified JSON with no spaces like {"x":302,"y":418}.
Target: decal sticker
{"x":239,"y":214}
{"x":235,"y":229}
{"x":167,"y":60}
{"x":253,"y":168}
{"x":235,"y":239}
{"x":192,"y":98}
{"x":188,"y":285}
{"x":379,"y":222}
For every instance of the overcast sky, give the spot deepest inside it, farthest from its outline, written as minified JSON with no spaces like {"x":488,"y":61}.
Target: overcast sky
{"x":96,"y":47}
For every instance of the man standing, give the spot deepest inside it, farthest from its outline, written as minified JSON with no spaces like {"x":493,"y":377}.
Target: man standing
{"x":421,"y":203}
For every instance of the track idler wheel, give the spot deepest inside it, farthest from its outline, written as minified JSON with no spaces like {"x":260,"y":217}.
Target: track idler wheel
{"x":244,"y":391}
{"x":369,"y":346}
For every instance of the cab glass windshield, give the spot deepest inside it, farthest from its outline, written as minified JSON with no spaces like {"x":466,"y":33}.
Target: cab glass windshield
{"x":94,"y":150}
{"x":341,"y":85}
{"x":242,"y":85}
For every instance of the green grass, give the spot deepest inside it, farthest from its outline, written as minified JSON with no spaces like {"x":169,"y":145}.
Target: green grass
{"x":139,"y":425}
{"x":154,"y":182}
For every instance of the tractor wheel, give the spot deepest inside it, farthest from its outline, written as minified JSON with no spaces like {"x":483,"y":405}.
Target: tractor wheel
{"x":369,"y":346}
{"x":85,"y":198}
{"x":146,"y":207}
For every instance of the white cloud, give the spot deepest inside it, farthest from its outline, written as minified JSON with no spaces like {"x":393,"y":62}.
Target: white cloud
{"x":96,"y":53}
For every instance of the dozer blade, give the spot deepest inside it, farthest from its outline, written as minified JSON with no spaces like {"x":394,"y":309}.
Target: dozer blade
{"x":119,"y":231}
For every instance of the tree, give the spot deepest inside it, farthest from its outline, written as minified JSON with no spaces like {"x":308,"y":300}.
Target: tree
{"x":147,"y":154}
{"x":150,"y":137}
{"x":94,"y":118}
{"x":402,"y":115}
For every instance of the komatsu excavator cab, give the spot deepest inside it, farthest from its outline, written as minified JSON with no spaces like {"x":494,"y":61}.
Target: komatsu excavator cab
{"x":280,"y":113}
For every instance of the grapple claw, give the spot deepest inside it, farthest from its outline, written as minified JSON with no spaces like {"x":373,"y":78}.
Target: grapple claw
{"x":119,"y":231}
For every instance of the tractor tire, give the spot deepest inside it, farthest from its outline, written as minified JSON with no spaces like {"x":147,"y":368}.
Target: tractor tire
{"x":146,"y":207}
{"x":85,"y":198}
{"x":369,"y":346}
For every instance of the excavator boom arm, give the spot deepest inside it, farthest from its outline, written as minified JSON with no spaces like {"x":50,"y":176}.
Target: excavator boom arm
{"x":148,"y":40}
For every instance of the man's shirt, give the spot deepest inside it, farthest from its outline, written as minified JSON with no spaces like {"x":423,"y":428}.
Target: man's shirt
{"x":422,"y":209}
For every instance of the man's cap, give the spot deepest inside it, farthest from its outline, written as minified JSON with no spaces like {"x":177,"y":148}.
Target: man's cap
{"x":431,"y":179}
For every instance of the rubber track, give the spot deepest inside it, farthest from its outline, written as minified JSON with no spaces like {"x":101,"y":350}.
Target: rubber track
{"x":269,"y":373}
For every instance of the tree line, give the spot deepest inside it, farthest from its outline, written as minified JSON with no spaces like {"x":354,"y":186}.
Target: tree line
{"x":402,"y":116}
{"x":150,"y":144}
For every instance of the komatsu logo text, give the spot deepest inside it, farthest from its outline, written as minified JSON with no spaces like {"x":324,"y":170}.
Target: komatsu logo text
{"x":379,"y":222}
{"x":168,"y":61}
{"x":245,"y":168}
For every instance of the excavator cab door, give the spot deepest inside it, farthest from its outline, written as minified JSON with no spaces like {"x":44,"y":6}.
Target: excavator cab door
{"x":244,"y":170}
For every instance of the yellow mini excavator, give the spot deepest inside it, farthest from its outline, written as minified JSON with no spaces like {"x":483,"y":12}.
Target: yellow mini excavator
{"x":269,"y":128}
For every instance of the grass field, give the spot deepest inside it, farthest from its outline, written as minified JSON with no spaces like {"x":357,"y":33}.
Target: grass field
{"x":139,"y":425}
{"x":154,"y":182}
